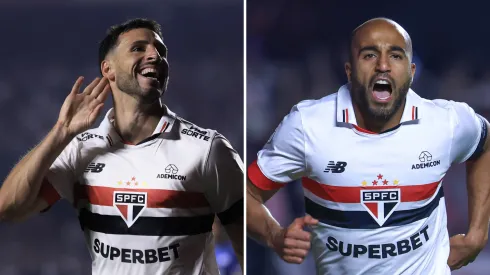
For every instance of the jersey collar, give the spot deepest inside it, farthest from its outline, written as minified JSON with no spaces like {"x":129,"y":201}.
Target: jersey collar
{"x":164,"y":126}
{"x":345,"y":110}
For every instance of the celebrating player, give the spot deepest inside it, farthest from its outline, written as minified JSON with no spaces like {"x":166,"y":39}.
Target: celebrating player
{"x":147,"y":184}
{"x":372,"y":158}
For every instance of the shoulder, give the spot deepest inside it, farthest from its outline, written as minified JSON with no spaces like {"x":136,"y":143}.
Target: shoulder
{"x":200,"y":139}
{"x":207,"y":144}
{"x":325,"y":104}
{"x":91,"y":137}
{"x":308,"y":113}
{"x":443,"y":104}
{"x":193,"y":133}
{"x":448,"y":109}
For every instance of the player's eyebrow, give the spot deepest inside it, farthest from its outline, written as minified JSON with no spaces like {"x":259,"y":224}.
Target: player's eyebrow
{"x":162,"y":49}
{"x":139,"y":42}
{"x":392,"y":48}
{"x":395,"y":48}
{"x":368,"y":48}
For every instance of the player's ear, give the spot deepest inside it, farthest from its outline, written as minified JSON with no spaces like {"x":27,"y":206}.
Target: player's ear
{"x":413,"y":67}
{"x":106,"y":69}
{"x":348,"y":70}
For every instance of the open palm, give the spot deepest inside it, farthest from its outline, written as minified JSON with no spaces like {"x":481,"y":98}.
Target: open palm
{"x":80,"y":110}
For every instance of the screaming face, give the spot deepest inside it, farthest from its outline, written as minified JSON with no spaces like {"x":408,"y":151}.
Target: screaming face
{"x":380,"y":71}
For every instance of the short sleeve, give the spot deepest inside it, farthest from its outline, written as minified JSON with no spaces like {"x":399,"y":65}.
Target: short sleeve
{"x":469,"y":132}
{"x":282,"y":159}
{"x":60,"y":179}
{"x":224,"y":176}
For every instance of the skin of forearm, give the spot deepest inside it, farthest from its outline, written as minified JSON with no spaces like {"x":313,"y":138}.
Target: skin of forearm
{"x":22,"y":185}
{"x":261,"y":226}
{"x":478,"y":186}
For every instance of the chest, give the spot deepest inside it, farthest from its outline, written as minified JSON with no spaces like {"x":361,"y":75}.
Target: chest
{"x":405,"y":157}
{"x":151,"y":167}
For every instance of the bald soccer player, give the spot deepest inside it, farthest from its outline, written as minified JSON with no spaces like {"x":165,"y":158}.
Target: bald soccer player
{"x":372,"y":158}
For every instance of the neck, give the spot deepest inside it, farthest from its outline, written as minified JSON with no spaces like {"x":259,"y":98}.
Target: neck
{"x":377,"y":124}
{"x":133,"y":120}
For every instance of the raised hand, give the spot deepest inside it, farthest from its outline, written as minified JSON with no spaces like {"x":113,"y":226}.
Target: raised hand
{"x":80,"y":110}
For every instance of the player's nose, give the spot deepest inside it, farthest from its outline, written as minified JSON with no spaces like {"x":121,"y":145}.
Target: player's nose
{"x":383,"y":64}
{"x":152,"y":54}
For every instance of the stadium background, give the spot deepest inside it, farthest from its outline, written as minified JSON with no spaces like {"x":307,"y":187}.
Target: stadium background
{"x":46,"y":45}
{"x":296,"y":50}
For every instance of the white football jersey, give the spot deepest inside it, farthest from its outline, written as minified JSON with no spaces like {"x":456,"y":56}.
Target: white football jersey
{"x":379,"y":197}
{"x":149,"y":208}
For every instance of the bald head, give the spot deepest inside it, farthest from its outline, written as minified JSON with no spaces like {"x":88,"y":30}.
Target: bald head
{"x":381,"y":50}
{"x":374,"y":27}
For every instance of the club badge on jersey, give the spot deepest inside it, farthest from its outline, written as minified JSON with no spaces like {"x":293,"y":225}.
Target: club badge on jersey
{"x":130,"y":205}
{"x":380,"y":204}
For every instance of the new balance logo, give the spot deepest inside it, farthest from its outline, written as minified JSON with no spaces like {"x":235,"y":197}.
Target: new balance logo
{"x":95,"y":167}
{"x":333,"y":167}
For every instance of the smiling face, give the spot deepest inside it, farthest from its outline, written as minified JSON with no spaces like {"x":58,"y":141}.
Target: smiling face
{"x":380,"y":70}
{"x":138,"y":64}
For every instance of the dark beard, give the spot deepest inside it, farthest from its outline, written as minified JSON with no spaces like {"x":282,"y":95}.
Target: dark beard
{"x":361,"y":96}
{"x":129,"y":85}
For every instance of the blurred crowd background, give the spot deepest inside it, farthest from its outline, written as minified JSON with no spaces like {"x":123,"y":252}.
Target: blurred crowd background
{"x":46,"y":45}
{"x":296,"y":50}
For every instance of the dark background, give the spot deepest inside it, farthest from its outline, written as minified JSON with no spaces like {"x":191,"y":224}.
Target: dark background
{"x":296,"y":50}
{"x":46,"y":45}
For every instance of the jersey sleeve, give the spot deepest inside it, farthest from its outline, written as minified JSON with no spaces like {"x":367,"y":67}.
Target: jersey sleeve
{"x":60,"y":179}
{"x":282,"y":159}
{"x":469,"y":133}
{"x":224,"y":174}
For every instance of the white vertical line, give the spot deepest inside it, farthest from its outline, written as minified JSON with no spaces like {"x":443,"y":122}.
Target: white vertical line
{"x":245,"y":135}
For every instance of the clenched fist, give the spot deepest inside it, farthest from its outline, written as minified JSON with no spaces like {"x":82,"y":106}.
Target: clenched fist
{"x":80,"y":110}
{"x":464,"y":250}
{"x":293,"y":243}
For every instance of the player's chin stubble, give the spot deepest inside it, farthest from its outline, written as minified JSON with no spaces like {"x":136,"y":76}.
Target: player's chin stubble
{"x":129,"y":85}
{"x":371,"y":109}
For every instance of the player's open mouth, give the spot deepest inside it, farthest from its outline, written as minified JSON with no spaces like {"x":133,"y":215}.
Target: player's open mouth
{"x":150,"y":73}
{"x":382,"y":90}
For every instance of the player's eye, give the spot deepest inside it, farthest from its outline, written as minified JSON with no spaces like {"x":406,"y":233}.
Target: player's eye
{"x":137,"y":49}
{"x":369,"y":56}
{"x":397,"y":56}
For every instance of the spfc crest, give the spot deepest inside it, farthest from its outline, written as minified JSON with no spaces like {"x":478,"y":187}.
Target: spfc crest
{"x":130,"y":205}
{"x":380,"y":203}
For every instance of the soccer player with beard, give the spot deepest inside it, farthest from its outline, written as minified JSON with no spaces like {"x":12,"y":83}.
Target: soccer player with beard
{"x":372,"y":158}
{"x":146,"y":183}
